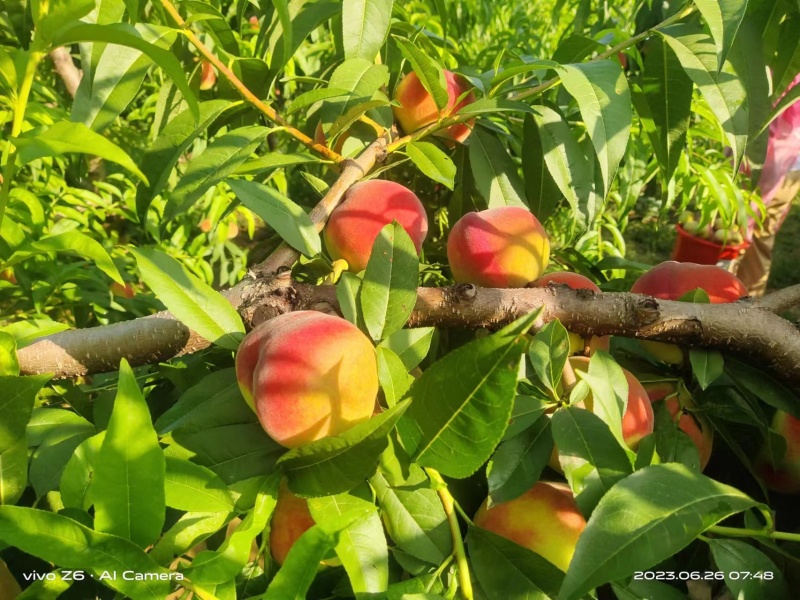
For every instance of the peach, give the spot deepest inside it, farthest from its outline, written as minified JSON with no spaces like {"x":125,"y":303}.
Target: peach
{"x":500,"y":247}
{"x":638,"y":419}
{"x":124,"y":291}
{"x":671,"y":280}
{"x":307,"y":375}
{"x":418,"y":108}
{"x":368,"y":207}
{"x":290,"y":519}
{"x":697,"y":428}
{"x":208,"y":76}
{"x":783,"y":477}
{"x":545,"y":520}
{"x":577,"y":343}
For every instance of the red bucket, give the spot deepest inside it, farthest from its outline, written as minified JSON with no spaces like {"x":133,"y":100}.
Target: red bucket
{"x":690,"y":248}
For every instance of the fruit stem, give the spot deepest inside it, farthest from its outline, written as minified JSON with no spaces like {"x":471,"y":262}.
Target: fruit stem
{"x":754,"y":533}
{"x":455,"y":530}
{"x":265,"y":108}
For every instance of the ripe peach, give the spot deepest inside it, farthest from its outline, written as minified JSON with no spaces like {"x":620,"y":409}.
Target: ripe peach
{"x":785,"y":476}
{"x":545,"y":520}
{"x":367,"y":207}
{"x":577,"y":342}
{"x":638,"y":419}
{"x":208,"y":76}
{"x":500,"y":247}
{"x":671,"y":280}
{"x":418,"y":108}
{"x":307,"y":375}
{"x":125,"y":291}
{"x":206,"y":225}
{"x":697,"y":428}
{"x":290,"y":519}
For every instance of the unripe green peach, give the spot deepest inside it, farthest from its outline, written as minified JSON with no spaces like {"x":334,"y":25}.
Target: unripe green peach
{"x":638,"y":419}
{"x":693,"y":425}
{"x":502,"y":247}
{"x":577,"y":343}
{"x":672,"y":280}
{"x":418,"y":108}
{"x":783,"y":477}
{"x":290,"y":519}
{"x":687,"y":216}
{"x":545,"y":520}
{"x":367,"y":208}
{"x":307,"y":375}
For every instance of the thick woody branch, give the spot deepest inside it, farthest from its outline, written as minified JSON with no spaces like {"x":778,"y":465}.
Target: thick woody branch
{"x":746,"y":327}
{"x":66,"y":69}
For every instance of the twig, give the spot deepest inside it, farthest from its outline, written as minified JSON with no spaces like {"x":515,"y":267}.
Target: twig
{"x":265,"y":108}
{"x":66,"y":69}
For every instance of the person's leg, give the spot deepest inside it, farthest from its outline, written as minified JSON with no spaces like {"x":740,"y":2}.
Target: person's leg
{"x":753,"y":268}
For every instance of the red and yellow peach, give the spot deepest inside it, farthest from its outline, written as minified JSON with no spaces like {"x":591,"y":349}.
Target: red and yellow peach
{"x":368,"y":207}
{"x":784,"y":476}
{"x":504,"y":247}
{"x":307,"y":375}
{"x":290,"y":519}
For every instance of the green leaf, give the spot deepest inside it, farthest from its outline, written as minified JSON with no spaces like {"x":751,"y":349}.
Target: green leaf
{"x":432,"y":162}
{"x":592,"y":459}
{"x":132,"y":37}
{"x":461,"y":404}
{"x":186,"y":533}
{"x":336,"y":464}
{"x":284,"y":216}
{"x":601,"y":91}
{"x":228,"y":560}
{"x":526,"y":411}
{"x":233,"y":451}
{"x":47,"y":589}
{"x":723,"y":19}
{"x":72,"y":242}
{"x":762,"y":386}
{"x":298,"y":571}
{"x":9,"y":364}
{"x":393,"y":376}
{"x":192,"y":487}
{"x":707,"y":365}
{"x":792,"y":96}
{"x":724,"y":92}
{"x":214,"y":22}
{"x":365,"y":25}
{"x":76,"y":479}
{"x":672,"y":444}
{"x":389,"y":290}
{"x":49,"y":423}
{"x":414,"y":517}
{"x":219,"y":160}
{"x":114,"y":77}
{"x":493,"y":170}
{"x":65,"y":137}
{"x":430,"y":73}
{"x":56,"y":14}
{"x":347,"y":291}
{"x":565,"y":161}
{"x":162,"y":156}
{"x":507,"y":570}
{"x":609,"y":391}
{"x":50,"y":459}
{"x":16,"y":406}
{"x":194,"y":303}
{"x":361,"y":78}
{"x":411,"y":345}
{"x":316,"y":95}
{"x":548,"y":354}
{"x":128,"y":485}
{"x":495,"y":105}
{"x":66,"y":543}
{"x":668,"y":503}
{"x":517,"y":463}
{"x":215,"y":401}
{"x":362,"y":545}
{"x":664,"y":104}
{"x":541,"y":190}
{"x":646,"y":590}
{"x":355,"y":112}
{"x":734,"y":556}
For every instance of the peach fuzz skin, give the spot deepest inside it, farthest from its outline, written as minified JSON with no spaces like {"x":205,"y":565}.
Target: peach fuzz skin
{"x":785,"y":476}
{"x":418,"y":108}
{"x":504,"y":247}
{"x":698,"y":430}
{"x":545,"y":520}
{"x":307,"y":375}
{"x":638,"y":419}
{"x":577,"y":343}
{"x":290,"y":519}
{"x":367,"y":208}
{"x":671,"y":280}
